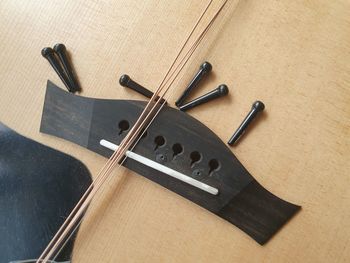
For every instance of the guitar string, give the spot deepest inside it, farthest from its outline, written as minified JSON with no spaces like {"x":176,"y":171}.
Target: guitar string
{"x":178,"y":73}
{"x":189,"y":53}
{"x":183,"y":46}
{"x":88,"y":195}
{"x":193,"y":48}
{"x":108,"y":180}
{"x":184,"y":61}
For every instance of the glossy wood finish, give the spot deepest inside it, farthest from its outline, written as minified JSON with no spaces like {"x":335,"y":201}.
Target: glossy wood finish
{"x":292,"y":55}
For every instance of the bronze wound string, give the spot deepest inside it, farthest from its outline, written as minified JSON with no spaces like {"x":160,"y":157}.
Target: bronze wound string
{"x":150,"y":112}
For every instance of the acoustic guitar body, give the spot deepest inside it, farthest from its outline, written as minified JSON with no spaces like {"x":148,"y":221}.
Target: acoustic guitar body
{"x":292,"y":55}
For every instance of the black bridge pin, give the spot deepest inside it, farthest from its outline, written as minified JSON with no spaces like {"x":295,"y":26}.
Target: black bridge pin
{"x":257,"y":107}
{"x":220,"y":91}
{"x":204,"y":69}
{"x":49,"y":54}
{"x":61,"y":51}
{"x":127,"y":82}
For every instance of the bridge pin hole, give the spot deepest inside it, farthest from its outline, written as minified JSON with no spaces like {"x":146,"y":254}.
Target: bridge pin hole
{"x":177,"y":149}
{"x":213,"y":165}
{"x":195,"y":158}
{"x":159,"y":141}
{"x":123,"y":126}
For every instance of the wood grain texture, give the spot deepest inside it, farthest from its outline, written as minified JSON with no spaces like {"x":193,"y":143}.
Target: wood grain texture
{"x":241,"y":199}
{"x":294,"y":56}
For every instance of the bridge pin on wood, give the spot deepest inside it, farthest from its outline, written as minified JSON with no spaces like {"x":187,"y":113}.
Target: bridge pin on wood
{"x":220,"y":91}
{"x":204,"y":69}
{"x":257,"y":107}
{"x":127,"y":82}
{"x":49,"y":54}
{"x":61,"y":51}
